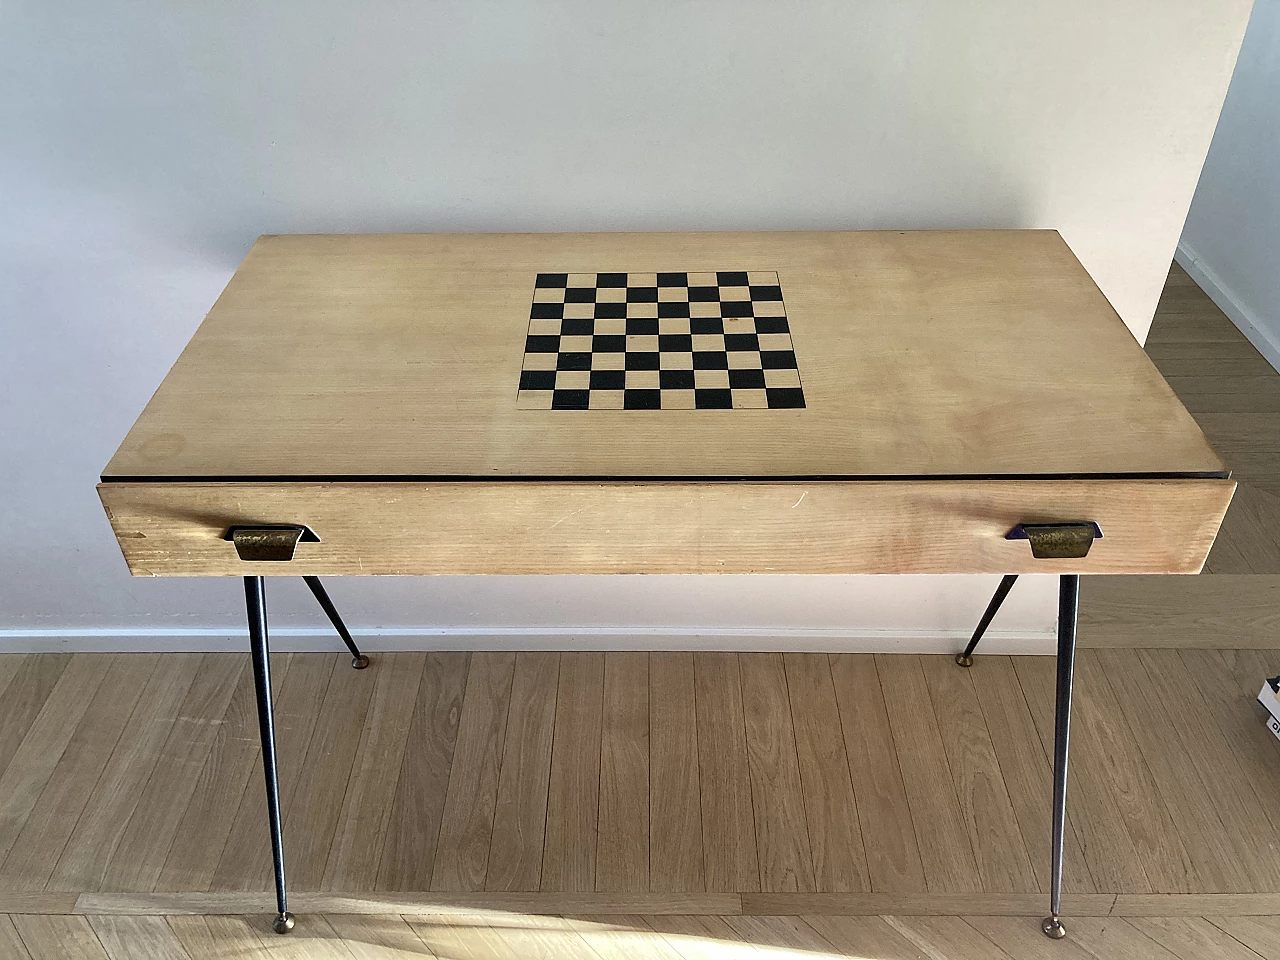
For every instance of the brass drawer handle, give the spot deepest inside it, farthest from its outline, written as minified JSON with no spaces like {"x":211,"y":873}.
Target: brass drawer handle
{"x":269,"y":541}
{"x":1058,"y":541}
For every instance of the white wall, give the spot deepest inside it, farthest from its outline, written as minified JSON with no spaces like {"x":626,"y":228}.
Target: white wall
{"x":1231,"y":242}
{"x":144,"y":145}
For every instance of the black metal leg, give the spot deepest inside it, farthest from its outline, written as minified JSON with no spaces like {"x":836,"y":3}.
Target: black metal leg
{"x":358,"y":659}
{"x":966,"y":659}
{"x":1068,"y":607}
{"x":256,"y":601}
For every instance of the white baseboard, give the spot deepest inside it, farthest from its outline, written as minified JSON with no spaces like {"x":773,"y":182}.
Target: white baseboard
{"x":314,"y":639}
{"x":1240,"y":314}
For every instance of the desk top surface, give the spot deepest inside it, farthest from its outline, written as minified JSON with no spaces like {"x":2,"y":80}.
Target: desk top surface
{"x":765,"y":355}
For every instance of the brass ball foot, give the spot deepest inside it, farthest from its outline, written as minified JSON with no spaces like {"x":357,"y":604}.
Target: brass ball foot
{"x":360,"y":662}
{"x":1053,"y":928}
{"x":963,"y":660}
{"x":283,"y":923}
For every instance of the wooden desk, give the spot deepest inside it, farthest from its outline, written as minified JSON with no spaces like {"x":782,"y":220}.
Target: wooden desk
{"x":880,"y":402}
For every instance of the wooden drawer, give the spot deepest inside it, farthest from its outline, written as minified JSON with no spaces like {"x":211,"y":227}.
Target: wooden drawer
{"x":498,"y":527}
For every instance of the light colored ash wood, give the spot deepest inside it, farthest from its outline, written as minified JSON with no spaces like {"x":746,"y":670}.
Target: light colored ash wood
{"x":520,"y":817}
{"x":73,"y":782}
{"x":145,"y":937}
{"x":675,"y":803}
{"x":1197,"y":904}
{"x":621,"y":938}
{"x":999,"y":848}
{"x":622,"y":838}
{"x":573,"y":794}
{"x":830,"y":806}
{"x":785,"y":527}
{"x":724,"y":777}
{"x":1094,"y":813}
{"x":312,"y":812}
{"x":59,"y":938}
{"x":413,"y":825}
{"x":1025,"y":768}
{"x":245,"y":861}
{"x":381,"y":354}
{"x":943,"y":835}
{"x":144,"y":845}
{"x":352,"y":862}
{"x":1228,"y":611}
{"x":889,"y":838}
{"x":782,"y":837}
{"x":782,"y":933}
{"x":207,"y":822}
{"x":1117,"y":937}
{"x":462,"y":851}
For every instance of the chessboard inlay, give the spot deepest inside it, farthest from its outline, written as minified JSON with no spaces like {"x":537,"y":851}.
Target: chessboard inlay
{"x":659,"y":341}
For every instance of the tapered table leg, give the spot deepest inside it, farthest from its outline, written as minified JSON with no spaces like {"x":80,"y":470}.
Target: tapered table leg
{"x":1068,"y":608}
{"x":256,"y":602}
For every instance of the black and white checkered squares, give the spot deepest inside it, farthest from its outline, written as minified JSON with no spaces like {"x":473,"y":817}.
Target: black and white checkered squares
{"x":664,"y":341}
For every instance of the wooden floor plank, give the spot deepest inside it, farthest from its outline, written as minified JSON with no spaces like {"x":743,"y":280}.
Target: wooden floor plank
{"x":71,"y":786}
{"x":1020,"y":937}
{"x":245,"y":860}
{"x":361,"y":830}
{"x":1259,"y":934}
{"x":866,"y":937}
{"x":1108,"y":937}
{"x":573,"y":794}
{"x":25,"y":685}
{"x":621,"y":938}
{"x":1201,"y":777}
{"x":413,"y":825}
{"x":622,"y":842}
{"x":998,"y":845}
{"x":780,"y":933}
{"x":948,"y":937}
{"x":724,"y":779}
{"x":235,"y":756}
{"x":889,"y":838}
{"x":830,"y":805}
{"x":311,"y":816}
{"x":378,"y":937}
{"x":520,"y":817}
{"x":143,"y":937}
{"x":949,"y":864}
{"x":462,"y":852}
{"x":1165,"y":847}
{"x":87,"y":855}
{"x":1193,"y":938}
{"x":699,"y":938}
{"x":782,"y":837}
{"x":1230,"y":697}
{"x":140,"y":854}
{"x":1026,"y":768}
{"x":219,"y":937}
{"x":675,"y":803}
{"x":59,"y":938}
{"x":1093,"y":812}
{"x":46,"y":740}
{"x":11,"y":944}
